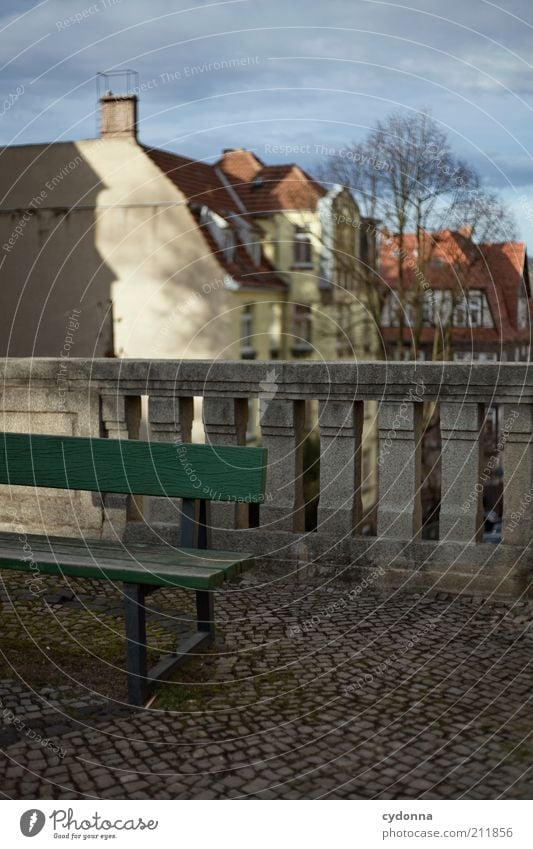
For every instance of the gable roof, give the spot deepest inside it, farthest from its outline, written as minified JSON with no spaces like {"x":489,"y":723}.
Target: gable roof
{"x":239,"y":164}
{"x":197,"y":180}
{"x":270,"y":188}
{"x":239,"y":187}
{"x":204,"y":186}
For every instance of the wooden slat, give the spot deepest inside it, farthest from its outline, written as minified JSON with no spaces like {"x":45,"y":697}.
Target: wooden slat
{"x":160,"y":574}
{"x":232,"y":563}
{"x":179,"y":567}
{"x":214,"y":473}
{"x":229,"y":569}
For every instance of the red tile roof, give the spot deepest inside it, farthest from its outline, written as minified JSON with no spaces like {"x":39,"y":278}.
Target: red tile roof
{"x":239,"y":164}
{"x":204,"y":187}
{"x":272,"y":188}
{"x":197,"y":180}
{"x":240,"y":186}
{"x":453,"y":261}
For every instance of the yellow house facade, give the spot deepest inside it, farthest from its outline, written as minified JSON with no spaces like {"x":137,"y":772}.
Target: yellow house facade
{"x":319,"y":244}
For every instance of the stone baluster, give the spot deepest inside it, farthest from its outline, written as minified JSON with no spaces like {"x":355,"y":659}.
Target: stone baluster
{"x":461,"y":507}
{"x":169,"y":420}
{"x":121,"y":418}
{"x":399,"y":469}
{"x":341,"y":429}
{"x":225,"y":421}
{"x":282,"y":427}
{"x":516,"y":440}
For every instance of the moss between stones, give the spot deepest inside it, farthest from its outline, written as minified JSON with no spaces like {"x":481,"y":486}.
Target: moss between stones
{"x":54,"y":645}
{"x":196,"y":688}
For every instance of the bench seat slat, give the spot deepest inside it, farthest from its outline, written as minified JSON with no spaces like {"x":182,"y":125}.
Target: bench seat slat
{"x":201,"y":570}
{"x":232,"y":563}
{"x":200,"y":579}
{"x":161,"y":575}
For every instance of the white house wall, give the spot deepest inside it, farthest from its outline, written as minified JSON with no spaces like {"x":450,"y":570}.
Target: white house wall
{"x":93,"y":223}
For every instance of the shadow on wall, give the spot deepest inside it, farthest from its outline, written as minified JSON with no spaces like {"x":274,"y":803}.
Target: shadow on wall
{"x":56,"y":289}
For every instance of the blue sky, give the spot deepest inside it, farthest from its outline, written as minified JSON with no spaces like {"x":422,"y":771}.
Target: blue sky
{"x":303,"y":75}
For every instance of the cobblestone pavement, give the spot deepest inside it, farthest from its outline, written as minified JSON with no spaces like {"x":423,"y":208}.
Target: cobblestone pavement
{"x":315,"y":689}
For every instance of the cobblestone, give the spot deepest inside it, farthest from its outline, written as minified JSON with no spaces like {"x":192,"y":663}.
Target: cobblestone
{"x":397,"y":696}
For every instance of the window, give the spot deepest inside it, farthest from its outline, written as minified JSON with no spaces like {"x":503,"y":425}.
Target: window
{"x":522,"y":312}
{"x":344,"y":328}
{"x":391,"y":310}
{"x":442,"y":301}
{"x":301,"y":328}
{"x":345,"y":246}
{"x":343,"y":274}
{"x":254,"y":252}
{"x":427,"y":309}
{"x":228,"y":243}
{"x":475,"y":309}
{"x":220,"y":231}
{"x":386,"y":312}
{"x":460,"y":314}
{"x":472,"y":311}
{"x":247,"y":327}
{"x":302,"y":252}
{"x":475,"y":356}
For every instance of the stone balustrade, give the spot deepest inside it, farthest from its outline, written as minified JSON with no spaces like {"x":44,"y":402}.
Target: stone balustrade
{"x":379,"y":403}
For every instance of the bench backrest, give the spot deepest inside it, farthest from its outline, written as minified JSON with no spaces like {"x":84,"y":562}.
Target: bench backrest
{"x":209,"y":472}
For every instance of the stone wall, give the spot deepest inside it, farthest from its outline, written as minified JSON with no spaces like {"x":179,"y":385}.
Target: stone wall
{"x":102,"y":397}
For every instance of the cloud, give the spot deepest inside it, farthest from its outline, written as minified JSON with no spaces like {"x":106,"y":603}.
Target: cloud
{"x":317,"y":72}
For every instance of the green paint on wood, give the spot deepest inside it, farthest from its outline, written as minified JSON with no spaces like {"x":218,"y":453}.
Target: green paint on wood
{"x":214,"y":473}
{"x":157,"y":566}
{"x":232,"y":563}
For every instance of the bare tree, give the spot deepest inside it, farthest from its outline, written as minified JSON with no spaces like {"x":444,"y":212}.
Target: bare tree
{"x":406,"y":175}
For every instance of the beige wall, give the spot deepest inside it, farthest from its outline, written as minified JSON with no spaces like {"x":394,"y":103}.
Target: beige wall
{"x":105,"y":225}
{"x":50,"y":264}
{"x":168,"y":294}
{"x":267,"y":322}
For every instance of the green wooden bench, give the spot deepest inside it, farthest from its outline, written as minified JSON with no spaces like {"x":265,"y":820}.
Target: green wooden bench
{"x":196,"y":473}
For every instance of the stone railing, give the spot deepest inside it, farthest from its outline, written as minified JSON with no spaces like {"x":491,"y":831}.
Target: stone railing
{"x":126,"y":398}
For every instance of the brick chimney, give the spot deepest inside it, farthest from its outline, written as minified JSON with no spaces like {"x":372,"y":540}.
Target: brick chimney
{"x":118,"y":116}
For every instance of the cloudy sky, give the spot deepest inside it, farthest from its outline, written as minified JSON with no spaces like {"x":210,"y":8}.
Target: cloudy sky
{"x":306,"y":74}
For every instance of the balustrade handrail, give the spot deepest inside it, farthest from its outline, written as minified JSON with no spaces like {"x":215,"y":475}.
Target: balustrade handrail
{"x":374,"y":380}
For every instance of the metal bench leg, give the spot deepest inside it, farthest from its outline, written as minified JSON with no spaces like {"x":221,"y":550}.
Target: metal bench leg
{"x":205,"y":612}
{"x":191,"y":645}
{"x":135,"y":615}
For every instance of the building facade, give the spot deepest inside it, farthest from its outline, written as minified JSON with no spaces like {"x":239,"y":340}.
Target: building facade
{"x":458,"y":300}
{"x":161,"y":256}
